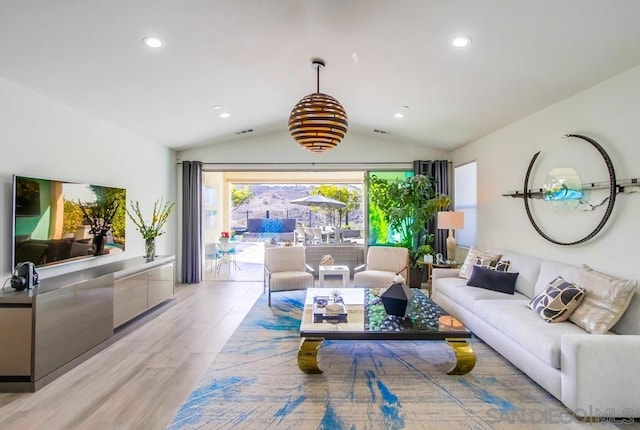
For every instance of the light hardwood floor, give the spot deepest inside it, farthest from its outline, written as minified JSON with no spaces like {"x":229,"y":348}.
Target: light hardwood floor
{"x":140,"y":381}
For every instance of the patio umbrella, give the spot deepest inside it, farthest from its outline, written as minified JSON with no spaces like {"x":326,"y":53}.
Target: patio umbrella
{"x":319,"y":200}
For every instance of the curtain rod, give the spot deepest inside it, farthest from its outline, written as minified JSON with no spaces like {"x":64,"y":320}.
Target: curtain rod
{"x":308,"y":163}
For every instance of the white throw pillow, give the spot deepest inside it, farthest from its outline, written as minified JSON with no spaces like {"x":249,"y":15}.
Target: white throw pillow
{"x":606,"y":299}
{"x":470,"y":261}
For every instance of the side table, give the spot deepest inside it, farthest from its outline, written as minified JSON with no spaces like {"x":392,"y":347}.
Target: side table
{"x":334,"y":270}
{"x":431,"y":266}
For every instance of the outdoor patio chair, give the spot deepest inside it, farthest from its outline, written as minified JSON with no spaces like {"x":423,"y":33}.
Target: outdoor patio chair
{"x":211,"y":253}
{"x":337,"y":235}
{"x":383,"y":262}
{"x":301,"y":236}
{"x":308,"y":231}
{"x":317,"y":235}
{"x":285,"y":269}
{"x":226,"y":253}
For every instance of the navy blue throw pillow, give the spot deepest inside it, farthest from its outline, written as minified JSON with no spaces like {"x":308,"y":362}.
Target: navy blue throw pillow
{"x":503,"y":282}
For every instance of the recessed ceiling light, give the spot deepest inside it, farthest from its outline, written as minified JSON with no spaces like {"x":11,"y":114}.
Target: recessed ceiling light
{"x":153,"y":42}
{"x":216,"y":107}
{"x":224,"y":115}
{"x":400,"y":113}
{"x":461,"y":41}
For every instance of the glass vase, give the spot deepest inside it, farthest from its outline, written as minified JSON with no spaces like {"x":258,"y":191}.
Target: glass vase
{"x":150,"y":248}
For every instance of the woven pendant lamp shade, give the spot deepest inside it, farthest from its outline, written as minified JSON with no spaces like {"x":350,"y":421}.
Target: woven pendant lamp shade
{"x":318,"y":122}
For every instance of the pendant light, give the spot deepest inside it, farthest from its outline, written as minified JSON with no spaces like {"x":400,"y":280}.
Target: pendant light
{"x":318,"y":122}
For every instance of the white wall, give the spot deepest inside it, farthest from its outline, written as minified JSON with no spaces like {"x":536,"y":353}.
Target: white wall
{"x":609,"y":113}
{"x":281,"y":148}
{"x":40,"y":137}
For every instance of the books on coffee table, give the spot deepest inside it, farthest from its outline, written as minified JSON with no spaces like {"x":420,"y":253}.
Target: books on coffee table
{"x":328,"y":310}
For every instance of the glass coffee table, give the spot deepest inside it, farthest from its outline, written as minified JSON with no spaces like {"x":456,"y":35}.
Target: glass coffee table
{"x":360,"y":315}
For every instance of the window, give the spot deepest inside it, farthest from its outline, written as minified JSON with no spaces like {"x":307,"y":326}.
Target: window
{"x":380,"y":232}
{"x":466,"y":200}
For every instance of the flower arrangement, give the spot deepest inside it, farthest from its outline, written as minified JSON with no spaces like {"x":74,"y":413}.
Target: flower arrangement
{"x":161,"y":212}
{"x":224,"y":234}
{"x":398,"y":279}
{"x":336,"y":295}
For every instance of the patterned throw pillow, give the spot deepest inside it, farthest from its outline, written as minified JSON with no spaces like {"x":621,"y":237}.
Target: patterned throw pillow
{"x":557,"y":301}
{"x":467,"y":266}
{"x":498,"y":266}
{"x":606,"y":299}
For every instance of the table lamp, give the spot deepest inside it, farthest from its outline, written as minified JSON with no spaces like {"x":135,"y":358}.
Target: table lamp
{"x":451,"y":220}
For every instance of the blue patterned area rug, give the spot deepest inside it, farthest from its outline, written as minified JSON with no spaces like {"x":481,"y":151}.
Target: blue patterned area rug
{"x":255,"y":383}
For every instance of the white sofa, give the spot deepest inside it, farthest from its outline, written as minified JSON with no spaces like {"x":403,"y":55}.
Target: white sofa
{"x":593,"y":375}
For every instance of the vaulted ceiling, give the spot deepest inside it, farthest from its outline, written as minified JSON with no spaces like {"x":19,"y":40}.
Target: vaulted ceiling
{"x":252,"y":59}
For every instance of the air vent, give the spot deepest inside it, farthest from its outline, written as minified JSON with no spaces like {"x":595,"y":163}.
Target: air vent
{"x":249,"y":130}
{"x":381,"y":131}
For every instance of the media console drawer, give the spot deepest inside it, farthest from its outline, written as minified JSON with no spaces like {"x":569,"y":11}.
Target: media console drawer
{"x":15,"y":338}
{"x":70,"y":321}
{"x":129,"y":298}
{"x":161,"y":282}
{"x":137,"y":293}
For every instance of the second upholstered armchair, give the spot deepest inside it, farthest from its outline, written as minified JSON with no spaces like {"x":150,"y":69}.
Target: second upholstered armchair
{"x":285,"y":269}
{"x":383,"y":262}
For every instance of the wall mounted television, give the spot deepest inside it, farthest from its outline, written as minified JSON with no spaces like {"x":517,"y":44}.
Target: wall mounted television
{"x":57,"y":221}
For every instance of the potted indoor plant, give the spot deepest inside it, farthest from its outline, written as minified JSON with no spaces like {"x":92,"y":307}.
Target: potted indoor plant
{"x":417,"y":256}
{"x":153,"y":229}
{"x":408,"y":206}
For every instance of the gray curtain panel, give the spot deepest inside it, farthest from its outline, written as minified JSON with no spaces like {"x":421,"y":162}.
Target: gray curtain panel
{"x":191,"y":222}
{"x":439,"y":170}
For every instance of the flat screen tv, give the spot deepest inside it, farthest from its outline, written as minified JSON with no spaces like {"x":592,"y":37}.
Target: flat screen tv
{"x":57,"y":221}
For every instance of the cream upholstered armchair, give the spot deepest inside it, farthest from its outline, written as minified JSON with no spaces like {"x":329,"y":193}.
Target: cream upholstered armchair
{"x":285,"y":269}
{"x":383,"y":262}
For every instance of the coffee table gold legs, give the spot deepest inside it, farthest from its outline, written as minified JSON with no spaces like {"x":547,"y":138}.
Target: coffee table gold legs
{"x":308,"y":354}
{"x":465,"y":357}
{"x":309,"y":346}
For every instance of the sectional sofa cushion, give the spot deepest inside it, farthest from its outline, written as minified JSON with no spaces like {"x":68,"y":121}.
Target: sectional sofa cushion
{"x":550,"y":270}
{"x":490,"y":279}
{"x":526,"y":328}
{"x":606,"y":300}
{"x":629,"y":323}
{"x":558,"y":301}
{"x":528,"y":268}
{"x":457,"y":289}
{"x":470,"y":260}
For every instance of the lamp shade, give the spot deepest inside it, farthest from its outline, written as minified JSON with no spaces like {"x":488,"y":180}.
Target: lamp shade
{"x":450,"y":220}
